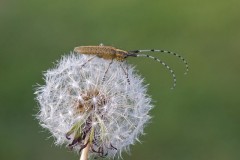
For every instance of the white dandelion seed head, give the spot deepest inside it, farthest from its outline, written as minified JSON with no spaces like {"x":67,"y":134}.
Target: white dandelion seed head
{"x":76,"y":104}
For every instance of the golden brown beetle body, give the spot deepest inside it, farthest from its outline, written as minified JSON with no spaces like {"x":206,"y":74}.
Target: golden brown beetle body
{"x":105,"y":52}
{"x":111,"y":53}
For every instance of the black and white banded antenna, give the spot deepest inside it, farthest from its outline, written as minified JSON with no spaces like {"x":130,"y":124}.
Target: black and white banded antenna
{"x":135,"y":53}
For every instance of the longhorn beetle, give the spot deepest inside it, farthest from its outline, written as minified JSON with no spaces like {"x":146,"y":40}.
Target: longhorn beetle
{"x":111,"y":53}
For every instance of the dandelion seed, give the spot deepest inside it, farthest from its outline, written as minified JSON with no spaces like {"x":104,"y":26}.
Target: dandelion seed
{"x":90,"y":115}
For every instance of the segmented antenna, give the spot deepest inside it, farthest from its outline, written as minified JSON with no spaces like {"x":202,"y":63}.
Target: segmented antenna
{"x":164,"y":64}
{"x":163,"y":51}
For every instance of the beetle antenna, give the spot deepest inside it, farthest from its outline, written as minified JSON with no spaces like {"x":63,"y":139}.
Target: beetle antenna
{"x":163,"y":51}
{"x":164,"y":64}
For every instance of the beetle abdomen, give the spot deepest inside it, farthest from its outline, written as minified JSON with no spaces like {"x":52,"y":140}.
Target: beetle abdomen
{"x":106,"y":52}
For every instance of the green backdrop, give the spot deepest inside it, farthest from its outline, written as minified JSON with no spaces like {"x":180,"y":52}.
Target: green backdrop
{"x":199,"y":120}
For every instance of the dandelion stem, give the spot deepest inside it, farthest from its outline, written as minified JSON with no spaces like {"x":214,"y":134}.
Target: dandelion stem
{"x":84,"y":155}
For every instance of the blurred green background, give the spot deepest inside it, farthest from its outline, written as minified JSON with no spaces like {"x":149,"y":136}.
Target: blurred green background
{"x":199,"y":120}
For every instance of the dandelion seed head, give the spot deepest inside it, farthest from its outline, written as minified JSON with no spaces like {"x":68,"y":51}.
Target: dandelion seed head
{"x":75,"y":104}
